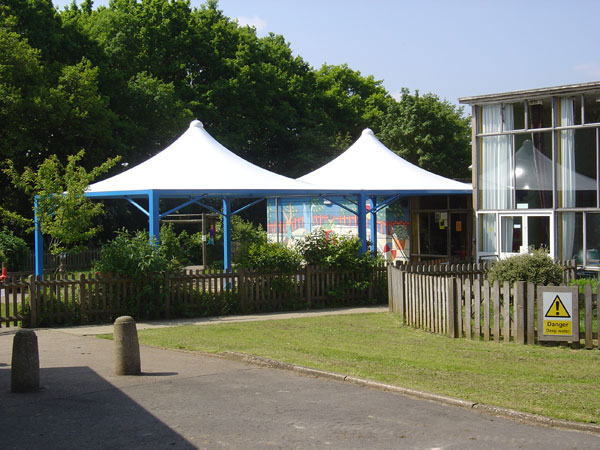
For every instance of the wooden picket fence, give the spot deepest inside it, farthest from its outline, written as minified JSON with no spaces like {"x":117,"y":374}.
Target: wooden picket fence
{"x":82,"y":260}
{"x":55,"y":300}
{"x":463,"y":304}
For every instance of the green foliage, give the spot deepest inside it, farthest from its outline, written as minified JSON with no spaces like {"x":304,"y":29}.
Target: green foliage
{"x":177,"y":248}
{"x":206,"y":304}
{"x":138,"y":257}
{"x":536,"y":267}
{"x":582,"y":282}
{"x":330,"y":250}
{"x":64,"y":213}
{"x":12,"y":249}
{"x":429,"y":132}
{"x":268,"y":257}
{"x":244,"y":231}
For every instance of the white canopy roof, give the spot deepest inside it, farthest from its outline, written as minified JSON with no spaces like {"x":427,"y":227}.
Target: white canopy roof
{"x":196,"y":162}
{"x":368,"y":165}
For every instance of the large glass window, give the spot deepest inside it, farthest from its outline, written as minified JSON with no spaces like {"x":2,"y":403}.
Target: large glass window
{"x":570,"y":236}
{"x":497,"y":162}
{"x":533,"y":171}
{"x":433,"y":233}
{"x":518,"y":115}
{"x":592,"y":233}
{"x":487,"y":233}
{"x":540,"y":113}
{"x":512,"y":233}
{"x":459,"y":235}
{"x":576,"y":170}
{"x":538,"y":232}
{"x":592,"y":107}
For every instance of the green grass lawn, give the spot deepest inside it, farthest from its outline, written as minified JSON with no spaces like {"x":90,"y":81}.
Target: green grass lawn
{"x":553,"y":381}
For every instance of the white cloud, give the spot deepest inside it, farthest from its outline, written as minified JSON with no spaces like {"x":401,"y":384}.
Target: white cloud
{"x":590,"y":69}
{"x":254,"y":21}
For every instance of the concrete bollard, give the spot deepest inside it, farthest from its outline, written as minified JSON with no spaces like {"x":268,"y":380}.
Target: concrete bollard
{"x":25,"y":365}
{"x":127,"y":347}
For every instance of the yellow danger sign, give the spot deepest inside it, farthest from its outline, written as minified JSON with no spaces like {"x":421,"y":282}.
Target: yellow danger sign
{"x":557,"y":309}
{"x":558,"y":327}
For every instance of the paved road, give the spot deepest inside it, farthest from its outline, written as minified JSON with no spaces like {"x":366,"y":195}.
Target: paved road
{"x":186,"y":400}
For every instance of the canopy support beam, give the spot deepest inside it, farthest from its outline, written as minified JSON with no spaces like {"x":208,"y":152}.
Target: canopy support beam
{"x":373,"y":212}
{"x":183,"y":205}
{"x":154,"y":215}
{"x":38,"y":242}
{"x":387,"y":202}
{"x":137,"y":205}
{"x":226,"y":234}
{"x":351,"y":211}
{"x":255,"y":202}
{"x":362,"y":222}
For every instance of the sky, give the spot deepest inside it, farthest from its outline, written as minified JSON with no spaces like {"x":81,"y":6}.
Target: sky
{"x":452,"y":48}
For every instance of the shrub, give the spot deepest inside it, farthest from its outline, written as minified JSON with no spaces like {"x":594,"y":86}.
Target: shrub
{"x":269,"y":257}
{"x":13,"y":249}
{"x":330,"y":250}
{"x":536,"y":267}
{"x":136,"y":256}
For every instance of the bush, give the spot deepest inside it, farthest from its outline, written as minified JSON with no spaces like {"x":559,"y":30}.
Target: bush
{"x":330,"y":250}
{"x":13,"y":249}
{"x":536,"y":267}
{"x":269,"y":257}
{"x":136,"y":256}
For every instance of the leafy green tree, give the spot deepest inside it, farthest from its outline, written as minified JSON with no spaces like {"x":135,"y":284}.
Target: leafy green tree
{"x":12,"y":249}
{"x":352,"y":101}
{"x":64,"y":213}
{"x":430,"y":133}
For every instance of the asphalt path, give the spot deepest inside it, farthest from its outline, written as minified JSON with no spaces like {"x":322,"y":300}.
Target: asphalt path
{"x":190,"y":400}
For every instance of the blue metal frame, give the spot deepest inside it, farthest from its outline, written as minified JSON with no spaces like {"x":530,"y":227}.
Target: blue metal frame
{"x":373,"y":212}
{"x":38,"y":242}
{"x":154,"y":215}
{"x":226,"y":234}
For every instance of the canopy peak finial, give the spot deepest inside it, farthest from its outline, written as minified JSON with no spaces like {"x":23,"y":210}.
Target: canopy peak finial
{"x":196,"y":123}
{"x":368,"y":131}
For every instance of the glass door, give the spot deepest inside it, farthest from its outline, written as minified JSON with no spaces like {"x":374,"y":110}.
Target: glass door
{"x":522,"y":232}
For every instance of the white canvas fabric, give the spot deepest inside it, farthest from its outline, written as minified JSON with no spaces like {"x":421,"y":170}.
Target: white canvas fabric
{"x":368,"y":165}
{"x":197,"y":162}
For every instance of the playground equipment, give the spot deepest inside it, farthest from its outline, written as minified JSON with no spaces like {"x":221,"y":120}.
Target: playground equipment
{"x":3,"y":276}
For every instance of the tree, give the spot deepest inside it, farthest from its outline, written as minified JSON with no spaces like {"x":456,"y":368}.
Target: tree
{"x":63,"y":211}
{"x":430,"y":133}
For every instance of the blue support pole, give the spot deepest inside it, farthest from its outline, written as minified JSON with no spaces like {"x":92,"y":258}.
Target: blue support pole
{"x":374,"y":225}
{"x":226,"y":234}
{"x":38,"y":243}
{"x":362,"y":222}
{"x":154,"y":216}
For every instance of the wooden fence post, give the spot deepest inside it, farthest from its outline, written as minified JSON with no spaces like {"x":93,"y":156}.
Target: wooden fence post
{"x":452,"y":302}
{"x":399,"y":290}
{"x":242,"y":289}
{"x":390,"y":283}
{"x":587,"y":293}
{"x":520,"y":311}
{"x":82,"y":297}
{"x":33,"y":302}
{"x":308,"y":285}
{"x":530,"y":313}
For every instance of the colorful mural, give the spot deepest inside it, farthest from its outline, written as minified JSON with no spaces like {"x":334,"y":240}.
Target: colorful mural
{"x":289,"y":219}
